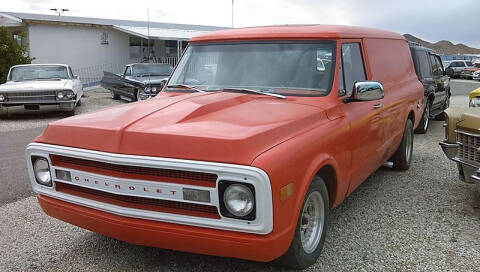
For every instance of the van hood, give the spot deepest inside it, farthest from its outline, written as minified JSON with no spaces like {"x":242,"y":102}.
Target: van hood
{"x":220,"y":127}
{"x":36,"y":85}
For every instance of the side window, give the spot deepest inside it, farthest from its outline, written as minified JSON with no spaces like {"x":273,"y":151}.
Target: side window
{"x":128,"y":71}
{"x":425,"y":67}
{"x":352,"y":66}
{"x":436,"y":66}
{"x":460,"y":64}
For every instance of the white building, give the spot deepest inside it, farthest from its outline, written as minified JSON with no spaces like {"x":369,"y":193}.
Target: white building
{"x":92,"y":45}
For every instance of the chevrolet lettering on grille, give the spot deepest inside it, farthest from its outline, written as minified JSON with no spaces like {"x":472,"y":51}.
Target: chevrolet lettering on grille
{"x":132,"y":188}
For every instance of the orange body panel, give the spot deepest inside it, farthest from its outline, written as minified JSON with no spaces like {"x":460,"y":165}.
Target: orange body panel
{"x":291,"y":140}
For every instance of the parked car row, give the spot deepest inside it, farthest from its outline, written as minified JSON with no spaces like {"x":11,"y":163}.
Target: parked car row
{"x":35,"y":86}
{"x":463,"y":69}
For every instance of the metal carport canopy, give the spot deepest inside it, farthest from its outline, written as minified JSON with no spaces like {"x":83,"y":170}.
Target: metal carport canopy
{"x":159,"y":33}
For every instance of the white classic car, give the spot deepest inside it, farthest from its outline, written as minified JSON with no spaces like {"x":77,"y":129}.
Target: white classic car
{"x":41,"y":85}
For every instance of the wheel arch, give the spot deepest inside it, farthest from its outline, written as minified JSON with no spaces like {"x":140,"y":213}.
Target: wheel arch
{"x":329,"y":176}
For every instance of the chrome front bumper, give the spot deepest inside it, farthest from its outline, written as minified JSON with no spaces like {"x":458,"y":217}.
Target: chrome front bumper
{"x":60,"y":105}
{"x":468,"y":172}
{"x":450,"y":150}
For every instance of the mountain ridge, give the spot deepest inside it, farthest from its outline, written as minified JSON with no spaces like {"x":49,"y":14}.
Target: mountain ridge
{"x":444,"y":47}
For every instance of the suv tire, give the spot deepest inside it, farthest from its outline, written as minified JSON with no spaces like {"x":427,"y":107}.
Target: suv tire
{"x":304,"y":251}
{"x":403,"y":156}
{"x":423,"y":126}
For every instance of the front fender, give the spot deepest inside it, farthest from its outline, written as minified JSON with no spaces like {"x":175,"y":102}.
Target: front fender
{"x":296,"y":162}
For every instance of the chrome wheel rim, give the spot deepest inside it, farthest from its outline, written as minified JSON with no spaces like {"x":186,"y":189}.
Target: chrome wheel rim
{"x":408,"y":146}
{"x":141,"y":95}
{"x":312,"y":222}
{"x":426,"y":116}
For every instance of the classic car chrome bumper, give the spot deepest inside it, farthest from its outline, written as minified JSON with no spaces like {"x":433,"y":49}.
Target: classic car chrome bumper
{"x":450,"y":150}
{"x":58,"y":105}
{"x":468,"y":172}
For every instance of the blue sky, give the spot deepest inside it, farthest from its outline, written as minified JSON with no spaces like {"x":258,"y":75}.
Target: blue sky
{"x":454,"y":20}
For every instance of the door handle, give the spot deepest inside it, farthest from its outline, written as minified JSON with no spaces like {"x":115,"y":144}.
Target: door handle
{"x":378,"y":106}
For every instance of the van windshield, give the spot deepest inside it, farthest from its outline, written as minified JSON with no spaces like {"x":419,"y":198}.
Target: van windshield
{"x":290,"y":68}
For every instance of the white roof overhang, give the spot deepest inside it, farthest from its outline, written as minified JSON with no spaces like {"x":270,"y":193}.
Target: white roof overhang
{"x":160,"y":33}
{"x":8,"y":20}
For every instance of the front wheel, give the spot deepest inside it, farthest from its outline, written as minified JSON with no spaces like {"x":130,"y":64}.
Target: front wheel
{"x":141,"y":95}
{"x":403,"y":156}
{"x":311,"y":229}
{"x":114,"y":95}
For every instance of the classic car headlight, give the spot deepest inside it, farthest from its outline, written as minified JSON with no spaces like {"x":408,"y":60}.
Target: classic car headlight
{"x":475,"y":102}
{"x":62,"y":95}
{"x":150,"y":89}
{"x":69,"y":94}
{"x":3,"y":97}
{"x":476,"y":73}
{"x":238,"y":200}
{"x":41,"y":169}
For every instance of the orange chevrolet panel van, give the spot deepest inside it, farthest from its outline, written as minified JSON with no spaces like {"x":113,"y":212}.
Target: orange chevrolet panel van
{"x":257,"y":135}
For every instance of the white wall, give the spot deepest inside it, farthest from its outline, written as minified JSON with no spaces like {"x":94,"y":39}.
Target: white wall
{"x":79,"y":47}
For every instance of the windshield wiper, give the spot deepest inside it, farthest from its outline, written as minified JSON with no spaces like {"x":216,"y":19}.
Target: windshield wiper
{"x":254,"y":91}
{"x":185,"y":86}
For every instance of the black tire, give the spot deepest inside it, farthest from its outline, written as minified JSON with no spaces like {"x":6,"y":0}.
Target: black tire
{"x":440,"y":117}
{"x":402,"y":158}
{"x":423,"y":125}
{"x":79,"y":103}
{"x":114,"y":95}
{"x":296,"y":257}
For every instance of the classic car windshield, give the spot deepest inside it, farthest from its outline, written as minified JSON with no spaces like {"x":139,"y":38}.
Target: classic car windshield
{"x":152,"y":70}
{"x":23,"y":73}
{"x":292,"y":68}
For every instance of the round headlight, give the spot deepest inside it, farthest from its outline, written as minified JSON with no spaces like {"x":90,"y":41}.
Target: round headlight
{"x":2,"y":97}
{"x":69,"y":94}
{"x":148,"y":89}
{"x":238,"y":200}
{"x":42,"y":171}
{"x":154,"y":90}
{"x":60,"y":95}
{"x":475,"y":102}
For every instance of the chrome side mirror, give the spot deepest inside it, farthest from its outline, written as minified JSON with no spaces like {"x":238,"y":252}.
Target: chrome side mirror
{"x":367,"y":91}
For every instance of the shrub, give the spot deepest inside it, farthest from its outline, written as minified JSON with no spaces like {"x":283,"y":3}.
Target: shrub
{"x":11,"y":53}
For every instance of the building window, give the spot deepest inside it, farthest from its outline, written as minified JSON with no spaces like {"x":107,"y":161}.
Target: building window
{"x":171,"y":48}
{"x":139,"y":47}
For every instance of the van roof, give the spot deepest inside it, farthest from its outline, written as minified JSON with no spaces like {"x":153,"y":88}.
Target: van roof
{"x":296,"y":32}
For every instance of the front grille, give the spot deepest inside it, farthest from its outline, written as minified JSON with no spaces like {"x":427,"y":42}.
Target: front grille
{"x":468,"y":147}
{"x":42,"y":96}
{"x":136,"y":172}
{"x":159,"y":205}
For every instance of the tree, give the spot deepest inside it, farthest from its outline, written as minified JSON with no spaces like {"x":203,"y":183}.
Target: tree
{"x":11,"y":53}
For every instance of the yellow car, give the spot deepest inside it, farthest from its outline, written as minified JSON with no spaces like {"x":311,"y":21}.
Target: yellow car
{"x":474,"y":98}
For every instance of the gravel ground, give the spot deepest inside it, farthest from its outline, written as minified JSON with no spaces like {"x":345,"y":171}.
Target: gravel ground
{"x":20,"y":119}
{"x":423,"y":219}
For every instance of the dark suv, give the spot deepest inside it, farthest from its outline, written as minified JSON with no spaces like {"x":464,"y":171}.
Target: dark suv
{"x":430,"y":72}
